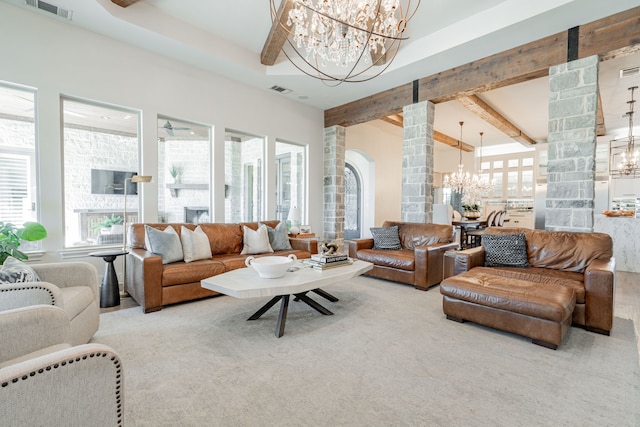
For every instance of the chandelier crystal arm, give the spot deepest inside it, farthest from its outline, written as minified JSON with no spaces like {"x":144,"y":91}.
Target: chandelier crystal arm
{"x":355,"y":27}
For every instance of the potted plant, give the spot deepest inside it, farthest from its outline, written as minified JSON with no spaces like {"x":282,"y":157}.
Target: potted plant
{"x":176,"y":172}
{"x":471,"y":204}
{"x":11,"y":236}
{"x":104,"y":226}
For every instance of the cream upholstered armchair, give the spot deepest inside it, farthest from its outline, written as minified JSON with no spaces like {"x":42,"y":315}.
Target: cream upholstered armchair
{"x":72,"y":286}
{"x":45,"y":381}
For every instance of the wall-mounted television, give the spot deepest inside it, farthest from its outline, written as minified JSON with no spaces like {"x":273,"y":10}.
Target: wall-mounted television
{"x":112,"y":182}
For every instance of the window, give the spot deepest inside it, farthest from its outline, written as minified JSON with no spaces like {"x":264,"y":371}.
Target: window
{"x":18,"y":183}
{"x":527,"y":183}
{"x":497,"y":184}
{"x":184,"y":171}
{"x":100,"y":149}
{"x":243,"y":170}
{"x":512,"y":183}
{"x":290,"y":179}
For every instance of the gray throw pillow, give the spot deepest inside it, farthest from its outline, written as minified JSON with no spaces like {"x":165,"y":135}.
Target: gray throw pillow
{"x":164,"y":243}
{"x":508,"y":250}
{"x":279,"y":237}
{"x":386,"y":237}
{"x":15,"y":271}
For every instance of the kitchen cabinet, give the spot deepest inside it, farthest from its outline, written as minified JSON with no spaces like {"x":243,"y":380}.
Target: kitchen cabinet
{"x":519,"y":219}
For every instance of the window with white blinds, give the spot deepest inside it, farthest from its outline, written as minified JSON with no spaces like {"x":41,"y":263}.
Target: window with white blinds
{"x":14,"y":189}
{"x":18,"y":190}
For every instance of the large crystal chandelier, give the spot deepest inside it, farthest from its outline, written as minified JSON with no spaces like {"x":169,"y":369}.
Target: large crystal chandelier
{"x":341,"y":40}
{"x":480,"y":182}
{"x":459,"y":181}
{"x":623,"y":155}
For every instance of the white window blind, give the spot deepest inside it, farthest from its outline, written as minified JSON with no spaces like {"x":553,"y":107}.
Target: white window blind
{"x":14,"y":189}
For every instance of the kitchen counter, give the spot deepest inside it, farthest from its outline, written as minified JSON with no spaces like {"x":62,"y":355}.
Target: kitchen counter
{"x":626,"y":246}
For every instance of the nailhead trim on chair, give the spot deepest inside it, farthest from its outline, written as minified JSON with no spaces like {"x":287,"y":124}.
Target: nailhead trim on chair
{"x":114,"y":359}
{"x":53,"y":300}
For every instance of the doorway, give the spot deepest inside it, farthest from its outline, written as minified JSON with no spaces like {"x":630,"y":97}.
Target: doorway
{"x":352,"y":203}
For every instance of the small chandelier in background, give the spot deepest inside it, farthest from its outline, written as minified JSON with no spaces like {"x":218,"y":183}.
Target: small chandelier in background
{"x":623,"y":155}
{"x":340,"y":41}
{"x":480,"y":182}
{"x":459,"y":181}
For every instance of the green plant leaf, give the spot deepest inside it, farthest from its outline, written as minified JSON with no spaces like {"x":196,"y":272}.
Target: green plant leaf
{"x":31,"y":232}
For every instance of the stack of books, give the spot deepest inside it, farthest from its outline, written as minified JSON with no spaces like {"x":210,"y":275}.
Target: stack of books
{"x":323,"y":262}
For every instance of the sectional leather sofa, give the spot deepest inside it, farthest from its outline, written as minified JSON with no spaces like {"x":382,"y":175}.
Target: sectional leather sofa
{"x":153,"y":284}
{"x":570,"y":280}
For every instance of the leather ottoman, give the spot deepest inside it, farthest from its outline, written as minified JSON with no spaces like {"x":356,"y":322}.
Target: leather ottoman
{"x":540,"y":311}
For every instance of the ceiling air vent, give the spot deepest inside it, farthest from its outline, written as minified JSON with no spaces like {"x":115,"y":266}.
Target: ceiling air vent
{"x":628,"y":72}
{"x":280,"y":89}
{"x":51,"y":8}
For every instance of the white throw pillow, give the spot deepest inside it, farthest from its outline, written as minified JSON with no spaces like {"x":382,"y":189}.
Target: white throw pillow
{"x":195,"y":244}
{"x":164,"y":243}
{"x":256,"y":242}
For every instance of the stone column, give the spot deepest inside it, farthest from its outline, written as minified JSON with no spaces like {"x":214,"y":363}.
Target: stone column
{"x":333,"y":206}
{"x":573,"y":99}
{"x":417,"y":162}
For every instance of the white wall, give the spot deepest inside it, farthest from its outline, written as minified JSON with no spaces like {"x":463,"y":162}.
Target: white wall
{"x":57,"y":59}
{"x":382,"y":142}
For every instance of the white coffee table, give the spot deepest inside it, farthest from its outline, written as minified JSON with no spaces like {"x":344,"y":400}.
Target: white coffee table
{"x":246,"y":283}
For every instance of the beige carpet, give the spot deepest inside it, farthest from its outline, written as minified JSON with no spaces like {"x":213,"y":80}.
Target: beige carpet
{"x":388,"y":357}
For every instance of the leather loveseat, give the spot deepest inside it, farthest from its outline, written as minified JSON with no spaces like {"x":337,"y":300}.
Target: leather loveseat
{"x":153,"y":284}
{"x":570,"y":280}
{"x":419,"y":261}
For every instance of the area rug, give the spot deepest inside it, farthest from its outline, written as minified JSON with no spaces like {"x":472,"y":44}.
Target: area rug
{"x":387,"y":357}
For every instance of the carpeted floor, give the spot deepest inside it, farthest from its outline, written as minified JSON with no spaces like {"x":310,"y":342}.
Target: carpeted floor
{"x":388,"y":357}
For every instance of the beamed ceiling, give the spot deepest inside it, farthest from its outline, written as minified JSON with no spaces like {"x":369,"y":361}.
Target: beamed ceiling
{"x":484,"y":62}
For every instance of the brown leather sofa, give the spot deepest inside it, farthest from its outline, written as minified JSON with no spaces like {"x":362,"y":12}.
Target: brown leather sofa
{"x":418,"y":263}
{"x":570,"y":280}
{"x":153,"y":284}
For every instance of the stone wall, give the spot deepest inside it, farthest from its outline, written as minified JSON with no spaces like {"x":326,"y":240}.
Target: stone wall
{"x":417,"y":162}
{"x":334,"y":163}
{"x":573,"y":99}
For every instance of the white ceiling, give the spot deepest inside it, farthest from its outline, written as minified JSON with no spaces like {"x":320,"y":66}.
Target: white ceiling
{"x":227,"y":38}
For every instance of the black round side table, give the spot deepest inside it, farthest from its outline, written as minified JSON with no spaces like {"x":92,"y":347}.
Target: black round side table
{"x":109,"y":291}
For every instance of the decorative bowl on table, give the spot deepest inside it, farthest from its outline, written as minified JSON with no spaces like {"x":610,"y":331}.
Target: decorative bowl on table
{"x":271,"y":267}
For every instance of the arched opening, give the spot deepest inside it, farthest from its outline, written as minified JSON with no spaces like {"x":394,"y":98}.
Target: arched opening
{"x":352,"y":203}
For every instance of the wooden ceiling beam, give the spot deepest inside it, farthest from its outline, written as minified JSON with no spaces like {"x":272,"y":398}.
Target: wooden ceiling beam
{"x":601,"y":129}
{"x":398,"y":120}
{"x":610,"y":34}
{"x":487,"y":113}
{"x":526,"y":62}
{"x":277,"y":35}
{"x":452,"y":142}
{"x":370,"y":108}
{"x":124,"y":3}
{"x":394,"y":119}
